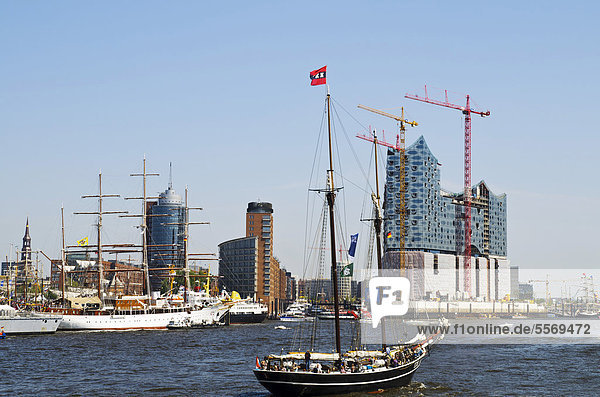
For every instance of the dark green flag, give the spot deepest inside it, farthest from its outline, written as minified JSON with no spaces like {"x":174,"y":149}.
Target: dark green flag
{"x":347,"y":270}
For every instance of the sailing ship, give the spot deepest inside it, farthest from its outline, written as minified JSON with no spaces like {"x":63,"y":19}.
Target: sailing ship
{"x":311,"y":373}
{"x":140,"y":312}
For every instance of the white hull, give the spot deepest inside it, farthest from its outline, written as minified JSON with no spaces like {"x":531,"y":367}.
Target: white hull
{"x":122,"y":322}
{"x":295,"y":319}
{"x":30,"y":325}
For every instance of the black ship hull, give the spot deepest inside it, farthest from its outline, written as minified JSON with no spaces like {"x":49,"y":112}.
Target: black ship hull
{"x":246,"y":318}
{"x":282,"y":383}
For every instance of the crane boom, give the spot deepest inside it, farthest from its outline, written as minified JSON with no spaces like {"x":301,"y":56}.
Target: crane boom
{"x":391,"y":116}
{"x":400,"y":148}
{"x":466,"y":111}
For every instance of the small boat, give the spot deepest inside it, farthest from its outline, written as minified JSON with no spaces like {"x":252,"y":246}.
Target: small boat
{"x":15,"y":322}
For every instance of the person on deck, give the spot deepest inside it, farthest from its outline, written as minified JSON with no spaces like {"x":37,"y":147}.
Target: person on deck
{"x":307,"y":360}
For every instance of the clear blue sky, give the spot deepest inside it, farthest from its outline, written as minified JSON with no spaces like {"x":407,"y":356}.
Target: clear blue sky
{"x":221,"y":89}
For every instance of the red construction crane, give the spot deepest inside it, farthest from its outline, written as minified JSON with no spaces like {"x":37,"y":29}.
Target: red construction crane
{"x":466,"y":110}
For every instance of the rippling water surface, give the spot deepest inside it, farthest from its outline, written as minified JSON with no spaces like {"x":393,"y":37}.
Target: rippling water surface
{"x":219,"y":362}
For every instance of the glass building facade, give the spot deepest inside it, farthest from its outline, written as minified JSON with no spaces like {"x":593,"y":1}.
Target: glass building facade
{"x":434,"y":220}
{"x":238,"y":264}
{"x":166,"y":233}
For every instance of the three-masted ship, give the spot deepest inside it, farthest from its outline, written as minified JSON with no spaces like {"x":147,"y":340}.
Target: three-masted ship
{"x":139,"y":312}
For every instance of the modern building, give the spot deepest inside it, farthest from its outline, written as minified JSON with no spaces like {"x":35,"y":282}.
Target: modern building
{"x":165,"y":235}
{"x":238,"y":265}
{"x":248,"y":266}
{"x":434,"y":227}
{"x":526,"y":291}
{"x":434,"y":219}
{"x":291,"y":287}
{"x":514,"y":283}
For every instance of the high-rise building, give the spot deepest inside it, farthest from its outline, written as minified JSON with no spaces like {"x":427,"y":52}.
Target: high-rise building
{"x":249,"y":262}
{"x":514,"y":282}
{"x":165,"y":235}
{"x":238,"y":265}
{"x":259,"y":223}
{"x":434,"y":228}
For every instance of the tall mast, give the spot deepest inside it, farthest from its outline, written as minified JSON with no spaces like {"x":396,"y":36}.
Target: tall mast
{"x":377,"y":221}
{"x":185,"y":247}
{"x":186,"y":223}
{"x":62,"y":259}
{"x":144,"y":227}
{"x":144,"y":242}
{"x":100,"y":212}
{"x":100,"y":264}
{"x":331,"y":201}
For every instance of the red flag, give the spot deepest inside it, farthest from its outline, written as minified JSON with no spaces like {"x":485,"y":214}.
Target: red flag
{"x":317,"y":77}
{"x":257,"y":363}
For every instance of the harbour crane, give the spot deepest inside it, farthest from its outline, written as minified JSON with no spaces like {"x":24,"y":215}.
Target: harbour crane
{"x":466,"y":111}
{"x":400,"y":148}
{"x":547,"y":282}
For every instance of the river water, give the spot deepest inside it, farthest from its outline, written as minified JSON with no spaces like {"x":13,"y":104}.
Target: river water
{"x":219,"y":362}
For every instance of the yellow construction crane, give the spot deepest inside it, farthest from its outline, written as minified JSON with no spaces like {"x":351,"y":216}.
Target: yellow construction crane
{"x":400,"y":148}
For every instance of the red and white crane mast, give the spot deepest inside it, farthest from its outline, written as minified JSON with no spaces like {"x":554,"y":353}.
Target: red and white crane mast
{"x":466,"y":111}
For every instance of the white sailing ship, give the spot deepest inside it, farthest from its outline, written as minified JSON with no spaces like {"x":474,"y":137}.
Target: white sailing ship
{"x":142,"y":312}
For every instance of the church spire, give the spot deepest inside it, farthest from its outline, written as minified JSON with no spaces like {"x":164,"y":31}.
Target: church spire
{"x":26,"y":249}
